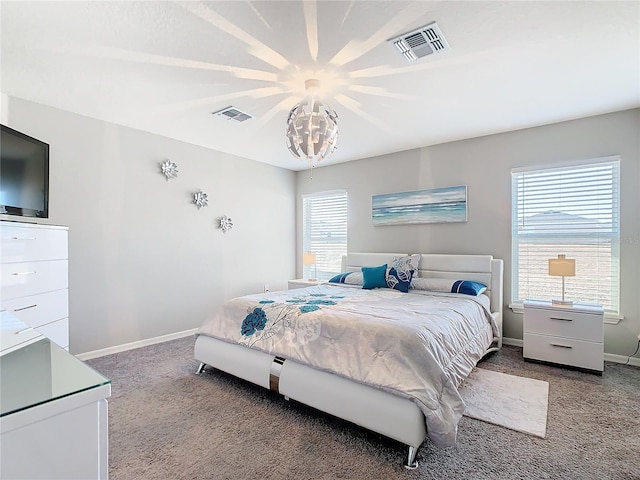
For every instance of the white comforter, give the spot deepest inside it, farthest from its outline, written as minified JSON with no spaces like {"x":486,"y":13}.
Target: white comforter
{"x":415,"y":345}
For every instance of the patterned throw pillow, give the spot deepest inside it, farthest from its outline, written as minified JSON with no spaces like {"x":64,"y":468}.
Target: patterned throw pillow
{"x":399,"y":281}
{"x":349,"y":278}
{"x":467,"y":287}
{"x":340,"y":278}
{"x":407,"y":266}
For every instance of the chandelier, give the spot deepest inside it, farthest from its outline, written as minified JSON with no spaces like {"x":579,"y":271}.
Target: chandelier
{"x":312,"y":126}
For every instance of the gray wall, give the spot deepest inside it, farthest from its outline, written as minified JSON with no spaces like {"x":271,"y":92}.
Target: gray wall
{"x":143,"y":260}
{"x":484,"y":164}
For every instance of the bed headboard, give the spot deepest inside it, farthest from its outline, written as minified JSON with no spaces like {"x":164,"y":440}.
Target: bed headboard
{"x":480,"y":268}
{"x":353,"y":262}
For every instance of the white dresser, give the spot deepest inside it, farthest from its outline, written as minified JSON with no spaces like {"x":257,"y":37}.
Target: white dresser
{"x":566,"y":335}
{"x":35,"y":278}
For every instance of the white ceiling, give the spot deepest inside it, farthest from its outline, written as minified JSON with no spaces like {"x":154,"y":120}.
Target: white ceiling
{"x":163,"y":67}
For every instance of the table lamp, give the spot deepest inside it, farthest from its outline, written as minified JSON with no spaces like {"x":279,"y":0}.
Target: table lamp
{"x":562,"y":267}
{"x":309,"y":258}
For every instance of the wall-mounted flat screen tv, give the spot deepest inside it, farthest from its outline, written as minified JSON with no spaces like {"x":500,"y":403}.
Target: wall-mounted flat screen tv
{"x":24,"y":175}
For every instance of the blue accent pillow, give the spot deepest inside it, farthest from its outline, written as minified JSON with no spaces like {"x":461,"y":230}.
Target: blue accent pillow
{"x":374,"y":277}
{"x":399,"y":280}
{"x":468,"y":287}
{"x":340,"y":278}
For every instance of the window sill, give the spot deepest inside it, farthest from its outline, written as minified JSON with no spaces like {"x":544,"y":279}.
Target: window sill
{"x":610,"y":318}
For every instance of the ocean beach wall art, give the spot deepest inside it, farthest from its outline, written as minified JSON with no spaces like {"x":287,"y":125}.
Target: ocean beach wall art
{"x":437,"y":205}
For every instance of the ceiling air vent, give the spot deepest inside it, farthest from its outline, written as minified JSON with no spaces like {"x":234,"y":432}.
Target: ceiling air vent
{"x":232,"y":113}
{"x":421,"y":42}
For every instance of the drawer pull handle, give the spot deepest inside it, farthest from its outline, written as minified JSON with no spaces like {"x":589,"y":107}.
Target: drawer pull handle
{"x":23,"y":273}
{"x":561,"y":346}
{"x":25,"y":308}
{"x":24,"y":330}
{"x":23,"y":238}
{"x":561,"y":319}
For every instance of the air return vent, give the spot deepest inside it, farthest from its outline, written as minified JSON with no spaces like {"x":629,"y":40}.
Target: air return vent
{"x":232,"y":113}
{"x":421,"y":42}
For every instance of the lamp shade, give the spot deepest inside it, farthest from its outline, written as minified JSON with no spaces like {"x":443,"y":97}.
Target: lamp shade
{"x":309,"y":258}
{"x":562,"y":266}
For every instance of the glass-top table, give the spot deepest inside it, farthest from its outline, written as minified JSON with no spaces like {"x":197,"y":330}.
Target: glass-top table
{"x":39,"y":371}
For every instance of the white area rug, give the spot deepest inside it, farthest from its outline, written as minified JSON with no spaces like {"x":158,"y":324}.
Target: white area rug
{"x":517,"y":403}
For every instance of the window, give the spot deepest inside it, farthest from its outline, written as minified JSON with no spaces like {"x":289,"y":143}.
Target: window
{"x":572,"y":210}
{"x":324,"y":232}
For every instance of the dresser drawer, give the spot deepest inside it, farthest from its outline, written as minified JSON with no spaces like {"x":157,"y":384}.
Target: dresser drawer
{"x":31,"y":278}
{"x":560,"y":323}
{"x":57,"y":332}
{"x":565,"y":351}
{"x":36,"y":310}
{"x":26,"y":244}
{"x":14,"y":334}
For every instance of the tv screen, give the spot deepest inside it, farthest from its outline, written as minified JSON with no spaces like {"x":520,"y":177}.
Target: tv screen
{"x":24,"y":175}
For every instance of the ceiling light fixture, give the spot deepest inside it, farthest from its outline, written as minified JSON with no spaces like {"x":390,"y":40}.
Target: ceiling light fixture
{"x":312,"y":126}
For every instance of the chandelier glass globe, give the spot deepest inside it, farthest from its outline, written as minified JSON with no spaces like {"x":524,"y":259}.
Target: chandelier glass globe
{"x":312,"y":126}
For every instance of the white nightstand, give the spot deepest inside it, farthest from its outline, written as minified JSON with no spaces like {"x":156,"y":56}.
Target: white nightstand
{"x":302,"y":282}
{"x":570,"y":335}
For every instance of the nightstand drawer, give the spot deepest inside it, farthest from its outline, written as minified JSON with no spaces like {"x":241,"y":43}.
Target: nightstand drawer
{"x":561,"y":323}
{"x":565,"y":351}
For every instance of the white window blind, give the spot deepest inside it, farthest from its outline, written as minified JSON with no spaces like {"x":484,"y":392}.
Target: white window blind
{"x":571,"y":210}
{"x":324,"y":221}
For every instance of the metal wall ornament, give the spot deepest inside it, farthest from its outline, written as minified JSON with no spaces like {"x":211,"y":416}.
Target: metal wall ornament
{"x":225,"y":223}
{"x":169,"y":169}
{"x":200,"y":199}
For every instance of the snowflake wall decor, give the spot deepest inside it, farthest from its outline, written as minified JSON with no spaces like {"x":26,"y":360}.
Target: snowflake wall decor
{"x":225,"y":223}
{"x":169,"y":169}
{"x":200,"y":199}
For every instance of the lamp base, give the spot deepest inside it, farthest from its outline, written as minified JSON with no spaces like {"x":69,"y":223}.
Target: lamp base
{"x":562,"y":302}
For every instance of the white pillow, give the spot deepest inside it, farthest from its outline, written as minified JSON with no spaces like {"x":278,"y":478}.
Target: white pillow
{"x":354,"y":278}
{"x":432,"y":284}
{"x":466,"y":287}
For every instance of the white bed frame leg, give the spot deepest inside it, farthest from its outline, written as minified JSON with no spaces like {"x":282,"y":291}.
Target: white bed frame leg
{"x":411,"y":460}
{"x":201,"y":368}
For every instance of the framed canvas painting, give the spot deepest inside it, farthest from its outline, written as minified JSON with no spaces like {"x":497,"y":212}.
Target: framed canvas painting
{"x":436,"y":205}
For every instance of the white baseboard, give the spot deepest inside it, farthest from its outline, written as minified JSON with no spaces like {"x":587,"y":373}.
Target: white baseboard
{"x":140,"y":343}
{"x":609,"y":357}
{"x":516,"y":342}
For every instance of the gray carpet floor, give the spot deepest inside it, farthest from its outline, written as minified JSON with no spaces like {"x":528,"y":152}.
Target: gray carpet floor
{"x":165,"y":422}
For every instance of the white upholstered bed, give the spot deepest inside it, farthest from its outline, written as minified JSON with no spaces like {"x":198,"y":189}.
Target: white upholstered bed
{"x":399,"y":415}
